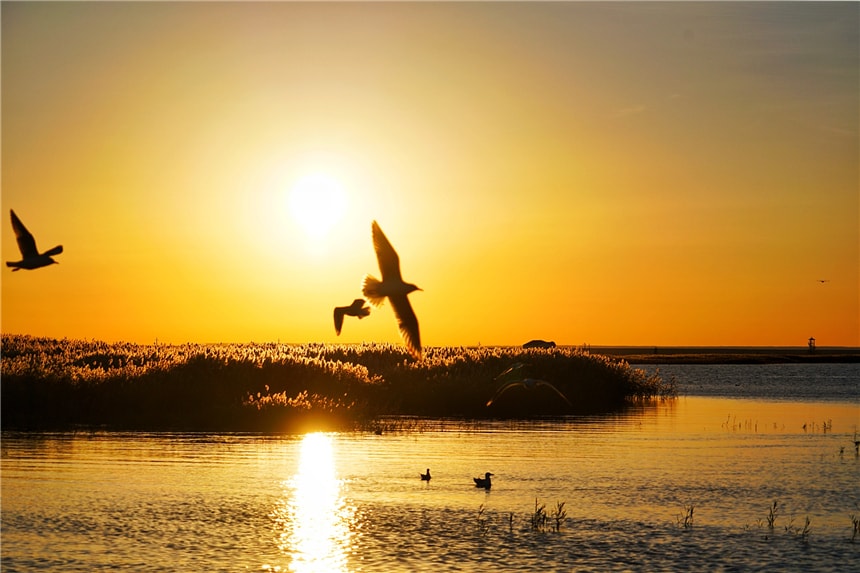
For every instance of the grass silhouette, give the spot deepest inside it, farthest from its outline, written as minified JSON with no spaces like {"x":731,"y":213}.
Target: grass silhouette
{"x":63,"y":384}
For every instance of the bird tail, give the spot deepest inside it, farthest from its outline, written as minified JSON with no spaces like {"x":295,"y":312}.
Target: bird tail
{"x":338,"y":319}
{"x":371,"y":291}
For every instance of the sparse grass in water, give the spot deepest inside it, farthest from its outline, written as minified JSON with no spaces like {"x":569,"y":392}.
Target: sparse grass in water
{"x":542,"y":521}
{"x":559,"y":515}
{"x":539,"y":516}
{"x":483,"y":528}
{"x":801,"y":532}
{"x":771,"y":514}
{"x":685,"y":520}
{"x":856,"y":522}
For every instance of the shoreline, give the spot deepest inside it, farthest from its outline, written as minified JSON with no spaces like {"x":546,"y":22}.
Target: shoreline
{"x":728,"y":354}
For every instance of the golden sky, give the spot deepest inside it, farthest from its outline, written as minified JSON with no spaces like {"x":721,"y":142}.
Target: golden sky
{"x":609,"y":173}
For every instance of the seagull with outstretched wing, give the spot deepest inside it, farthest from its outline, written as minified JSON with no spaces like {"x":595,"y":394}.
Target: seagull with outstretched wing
{"x":528,"y":384}
{"x":31,"y":257}
{"x":395,"y":289}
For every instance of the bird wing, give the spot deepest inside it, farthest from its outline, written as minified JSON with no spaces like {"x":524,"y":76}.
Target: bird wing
{"x":504,"y":388}
{"x":554,"y":389}
{"x":55,"y":251}
{"x":389,"y":262}
{"x":408,"y":323}
{"x":515,"y":366}
{"x":26,"y":242}
{"x":338,"y":318}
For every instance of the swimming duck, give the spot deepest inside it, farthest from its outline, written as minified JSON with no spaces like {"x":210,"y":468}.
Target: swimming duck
{"x":426,"y":477}
{"x":484,"y":482}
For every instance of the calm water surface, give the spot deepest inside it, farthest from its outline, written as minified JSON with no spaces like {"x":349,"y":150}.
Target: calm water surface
{"x":354,"y":502}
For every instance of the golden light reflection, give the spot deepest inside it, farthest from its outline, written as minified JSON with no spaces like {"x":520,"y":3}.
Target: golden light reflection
{"x":313,"y":520}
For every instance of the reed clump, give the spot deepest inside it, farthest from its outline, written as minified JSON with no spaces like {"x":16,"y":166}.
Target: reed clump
{"x":855,"y":521}
{"x":685,"y":520}
{"x":57,"y":384}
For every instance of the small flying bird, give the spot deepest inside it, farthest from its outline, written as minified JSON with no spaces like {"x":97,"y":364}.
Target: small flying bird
{"x":528,"y":384}
{"x":393,"y":287}
{"x":822,"y":281}
{"x":357,"y":308}
{"x":426,"y":477}
{"x":484,"y":482}
{"x":32,"y":259}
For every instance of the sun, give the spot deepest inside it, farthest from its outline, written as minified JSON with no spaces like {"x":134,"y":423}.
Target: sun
{"x":317,"y":203}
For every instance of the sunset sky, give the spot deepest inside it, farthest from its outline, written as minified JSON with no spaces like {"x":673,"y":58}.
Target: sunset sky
{"x":610,"y":173}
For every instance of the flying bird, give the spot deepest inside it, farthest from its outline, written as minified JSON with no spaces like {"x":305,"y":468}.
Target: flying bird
{"x":393,"y":287}
{"x":426,"y":477}
{"x":357,"y":308}
{"x":824,"y":281}
{"x":484,"y":482}
{"x":528,"y":384}
{"x":31,"y":258}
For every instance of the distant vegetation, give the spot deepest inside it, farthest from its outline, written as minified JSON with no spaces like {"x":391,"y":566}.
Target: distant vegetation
{"x":62,"y":384}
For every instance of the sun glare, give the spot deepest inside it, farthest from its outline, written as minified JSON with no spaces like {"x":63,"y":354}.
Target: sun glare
{"x":317,"y":203}
{"x":314,"y":519}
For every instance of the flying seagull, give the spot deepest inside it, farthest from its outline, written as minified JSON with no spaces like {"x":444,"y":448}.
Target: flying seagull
{"x":32,"y":259}
{"x":528,"y":384}
{"x":357,"y":308}
{"x":393,"y":287}
{"x":484,"y":482}
{"x":824,"y":281}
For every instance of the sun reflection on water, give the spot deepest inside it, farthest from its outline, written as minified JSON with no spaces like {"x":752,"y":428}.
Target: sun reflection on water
{"x":313,"y":520}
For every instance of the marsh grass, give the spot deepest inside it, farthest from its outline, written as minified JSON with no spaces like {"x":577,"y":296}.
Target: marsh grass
{"x":483,"y":526}
{"x":541,"y":520}
{"x":539,"y":516}
{"x":856,"y":523}
{"x":61,"y":384}
{"x":685,"y":520}
{"x":559,"y":514}
{"x":801,"y":533}
{"x":772,"y":512}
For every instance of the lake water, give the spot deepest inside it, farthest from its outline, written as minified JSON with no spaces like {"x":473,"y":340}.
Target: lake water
{"x":738,"y":439}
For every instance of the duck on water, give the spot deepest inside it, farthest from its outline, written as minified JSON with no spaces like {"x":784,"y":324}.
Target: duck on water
{"x":484,"y":482}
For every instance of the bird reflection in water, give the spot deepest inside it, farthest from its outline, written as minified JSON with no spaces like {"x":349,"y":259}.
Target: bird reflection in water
{"x":312,"y":520}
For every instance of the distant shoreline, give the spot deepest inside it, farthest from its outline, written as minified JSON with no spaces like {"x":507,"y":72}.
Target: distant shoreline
{"x":728,"y":354}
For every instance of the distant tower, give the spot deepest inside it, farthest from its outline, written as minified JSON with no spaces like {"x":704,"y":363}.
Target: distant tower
{"x":811,"y":344}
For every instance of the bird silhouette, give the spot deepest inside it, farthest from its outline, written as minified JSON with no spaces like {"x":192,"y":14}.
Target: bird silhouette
{"x":357,"y":308}
{"x":31,"y":258}
{"x":426,"y":477}
{"x":822,"y":281}
{"x":393,"y":287}
{"x":484,"y":482}
{"x":528,"y":384}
